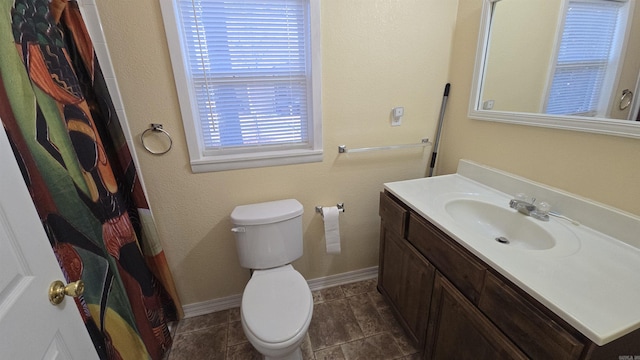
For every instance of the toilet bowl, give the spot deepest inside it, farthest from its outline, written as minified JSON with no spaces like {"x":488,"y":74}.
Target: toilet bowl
{"x":277,"y":304}
{"x":276,"y":311}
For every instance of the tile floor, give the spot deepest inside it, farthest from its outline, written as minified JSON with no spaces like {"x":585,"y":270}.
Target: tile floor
{"x":349,"y":322}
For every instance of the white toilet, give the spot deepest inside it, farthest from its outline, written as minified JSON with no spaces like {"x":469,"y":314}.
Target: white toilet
{"x":277,"y":304}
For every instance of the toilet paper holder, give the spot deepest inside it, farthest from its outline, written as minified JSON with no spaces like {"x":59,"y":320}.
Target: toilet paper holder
{"x":340,"y":208}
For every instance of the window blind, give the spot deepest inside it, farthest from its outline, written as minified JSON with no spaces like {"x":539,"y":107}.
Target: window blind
{"x":248,"y":63}
{"x":584,"y":57}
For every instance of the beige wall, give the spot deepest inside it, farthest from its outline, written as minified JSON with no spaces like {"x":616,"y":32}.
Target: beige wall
{"x":604,"y":168}
{"x":377,"y":54}
{"x":522,"y":42}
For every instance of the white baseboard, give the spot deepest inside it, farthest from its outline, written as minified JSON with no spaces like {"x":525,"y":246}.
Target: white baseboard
{"x":206,"y":307}
{"x":344,"y":278}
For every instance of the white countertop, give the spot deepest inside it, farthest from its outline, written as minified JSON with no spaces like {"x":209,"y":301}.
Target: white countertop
{"x":595,"y":286}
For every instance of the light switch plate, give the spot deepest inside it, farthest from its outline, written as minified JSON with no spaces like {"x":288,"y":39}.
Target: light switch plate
{"x":396,"y":116}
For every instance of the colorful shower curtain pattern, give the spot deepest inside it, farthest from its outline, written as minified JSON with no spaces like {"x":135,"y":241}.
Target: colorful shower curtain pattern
{"x":67,"y":139}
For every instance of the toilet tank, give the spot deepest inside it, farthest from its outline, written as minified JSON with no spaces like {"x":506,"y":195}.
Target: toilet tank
{"x":268,"y":234}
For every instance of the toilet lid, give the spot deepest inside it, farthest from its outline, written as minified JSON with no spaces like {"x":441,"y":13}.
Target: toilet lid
{"x":276,"y":304}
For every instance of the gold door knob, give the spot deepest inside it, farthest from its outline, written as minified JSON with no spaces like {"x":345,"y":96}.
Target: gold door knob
{"x":58,"y":290}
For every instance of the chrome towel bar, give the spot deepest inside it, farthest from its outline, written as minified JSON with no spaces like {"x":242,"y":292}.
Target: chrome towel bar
{"x":343,"y":148}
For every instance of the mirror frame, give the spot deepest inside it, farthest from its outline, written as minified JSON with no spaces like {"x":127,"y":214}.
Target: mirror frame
{"x":623,"y":128}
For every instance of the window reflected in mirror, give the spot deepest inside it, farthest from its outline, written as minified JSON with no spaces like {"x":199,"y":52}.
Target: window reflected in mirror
{"x":562,"y":57}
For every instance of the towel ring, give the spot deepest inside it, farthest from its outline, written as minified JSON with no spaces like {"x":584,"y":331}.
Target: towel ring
{"x":625,"y":100}
{"x":156,"y":128}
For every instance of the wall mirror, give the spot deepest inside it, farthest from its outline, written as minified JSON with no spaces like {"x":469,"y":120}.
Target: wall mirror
{"x":531,"y":68}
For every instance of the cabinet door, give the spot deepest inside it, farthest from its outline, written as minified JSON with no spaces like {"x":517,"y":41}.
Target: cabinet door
{"x":407,"y":280}
{"x":390,"y":279}
{"x":457,"y":330}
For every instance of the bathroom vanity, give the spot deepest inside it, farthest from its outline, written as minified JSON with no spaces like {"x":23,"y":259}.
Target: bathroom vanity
{"x":557,"y":290}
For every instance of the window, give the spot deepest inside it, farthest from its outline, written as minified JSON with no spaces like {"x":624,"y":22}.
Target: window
{"x":587,"y":57}
{"x":248,"y":79}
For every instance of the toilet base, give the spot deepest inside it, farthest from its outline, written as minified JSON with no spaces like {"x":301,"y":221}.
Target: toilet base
{"x":295,"y":355}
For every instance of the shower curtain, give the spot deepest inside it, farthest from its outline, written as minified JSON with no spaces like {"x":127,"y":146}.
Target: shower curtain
{"x":67,"y":139}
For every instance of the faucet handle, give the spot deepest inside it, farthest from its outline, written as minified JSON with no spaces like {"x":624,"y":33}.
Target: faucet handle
{"x":521,"y":197}
{"x":525,"y":198}
{"x":543,"y":207}
{"x":541,"y":212}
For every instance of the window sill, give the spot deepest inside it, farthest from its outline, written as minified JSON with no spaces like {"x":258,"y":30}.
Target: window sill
{"x":247,"y":161}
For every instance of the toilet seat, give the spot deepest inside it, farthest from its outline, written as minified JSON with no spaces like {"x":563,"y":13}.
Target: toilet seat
{"x":276,"y":304}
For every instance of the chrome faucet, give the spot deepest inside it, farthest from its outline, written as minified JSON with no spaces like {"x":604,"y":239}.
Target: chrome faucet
{"x":540,"y":212}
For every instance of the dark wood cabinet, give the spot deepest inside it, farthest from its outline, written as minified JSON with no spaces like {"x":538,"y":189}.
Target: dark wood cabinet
{"x":458,"y":330}
{"x":406,"y":280}
{"x":466,"y":273}
{"x":538,"y":334}
{"x":455,"y":306}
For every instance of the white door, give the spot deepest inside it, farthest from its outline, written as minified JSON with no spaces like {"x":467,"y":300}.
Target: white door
{"x":30,"y":326}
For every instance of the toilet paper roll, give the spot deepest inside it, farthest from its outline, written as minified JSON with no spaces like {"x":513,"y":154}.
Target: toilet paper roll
{"x":331,"y":229}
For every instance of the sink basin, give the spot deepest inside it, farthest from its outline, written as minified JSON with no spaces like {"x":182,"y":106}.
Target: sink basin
{"x":501,"y":224}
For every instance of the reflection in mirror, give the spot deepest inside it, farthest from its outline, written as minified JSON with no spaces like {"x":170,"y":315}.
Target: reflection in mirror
{"x":536,"y":64}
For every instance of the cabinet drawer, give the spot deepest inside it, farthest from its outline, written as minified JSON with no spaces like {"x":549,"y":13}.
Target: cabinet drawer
{"x":539,"y":336}
{"x":393,"y":215}
{"x":466,"y":273}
